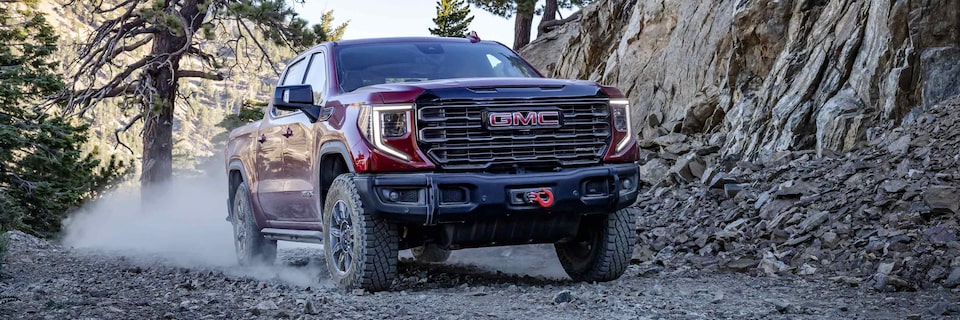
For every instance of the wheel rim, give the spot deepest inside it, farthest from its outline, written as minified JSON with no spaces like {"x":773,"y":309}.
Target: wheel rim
{"x":239,"y":227}
{"x":584,"y":249}
{"x":341,"y":237}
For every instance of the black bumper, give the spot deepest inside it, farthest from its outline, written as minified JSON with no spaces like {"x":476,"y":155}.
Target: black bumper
{"x":434,"y":198}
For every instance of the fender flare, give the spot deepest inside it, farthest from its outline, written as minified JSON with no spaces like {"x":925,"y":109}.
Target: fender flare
{"x":235,"y":165}
{"x":339,"y":148}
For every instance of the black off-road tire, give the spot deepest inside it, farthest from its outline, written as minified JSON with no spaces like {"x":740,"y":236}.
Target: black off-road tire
{"x":602,"y":249}
{"x":375,"y":242}
{"x":430,"y":253}
{"x":252,"y":248}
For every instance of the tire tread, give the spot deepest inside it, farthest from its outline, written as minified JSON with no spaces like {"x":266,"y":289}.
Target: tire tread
{"x":263,"y":250}
{"x":380,"y":241}
{"x":616,"y":247}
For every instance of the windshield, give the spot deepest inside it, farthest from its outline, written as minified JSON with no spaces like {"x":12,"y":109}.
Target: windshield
{"x":370,"y":64}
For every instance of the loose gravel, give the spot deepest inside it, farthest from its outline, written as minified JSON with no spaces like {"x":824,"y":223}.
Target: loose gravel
{"x":46,"y":281}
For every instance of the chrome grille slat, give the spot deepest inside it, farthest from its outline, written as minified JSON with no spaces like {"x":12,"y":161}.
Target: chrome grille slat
{"x":451,"y":133}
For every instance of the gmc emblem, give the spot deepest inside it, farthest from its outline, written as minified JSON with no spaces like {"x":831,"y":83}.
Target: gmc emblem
{"x":523,"y":119}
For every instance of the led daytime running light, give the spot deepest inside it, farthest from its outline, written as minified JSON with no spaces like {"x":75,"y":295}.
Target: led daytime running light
{"x":377,"y":131}
{"x":623,"y":103}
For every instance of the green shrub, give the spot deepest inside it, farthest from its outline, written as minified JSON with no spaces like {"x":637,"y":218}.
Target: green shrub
{"x":43,"y":172}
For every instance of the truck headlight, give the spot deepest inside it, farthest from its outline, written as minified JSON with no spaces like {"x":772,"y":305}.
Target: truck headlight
{"x":383,"y":122}
{"x":620,"y":108}
{"x":394,"y":123}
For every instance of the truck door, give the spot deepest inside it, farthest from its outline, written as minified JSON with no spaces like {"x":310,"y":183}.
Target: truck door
{"x":299,"y":156}
{"x":269,"y":167}
{"x":272,"y":190}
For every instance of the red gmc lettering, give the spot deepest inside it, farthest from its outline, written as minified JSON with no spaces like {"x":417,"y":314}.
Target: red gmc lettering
{"x":529,"y":120}
{"x":519,"y":118}
{"x":554,"y":118}
{"x":500,"y":119}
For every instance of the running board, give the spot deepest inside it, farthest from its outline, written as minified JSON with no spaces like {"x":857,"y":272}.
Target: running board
{"x":293,"y":235}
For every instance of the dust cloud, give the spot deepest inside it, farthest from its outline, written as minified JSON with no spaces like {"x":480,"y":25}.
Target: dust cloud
{"x":183,"y":224}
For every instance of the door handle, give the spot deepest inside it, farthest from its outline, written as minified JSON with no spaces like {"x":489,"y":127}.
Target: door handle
{"x":326,"y":112}
{"x":262,"y":139}
{"x":288,"y":133}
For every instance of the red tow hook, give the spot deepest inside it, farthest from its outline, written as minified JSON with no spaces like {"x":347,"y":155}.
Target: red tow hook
{"x":544,"y":197}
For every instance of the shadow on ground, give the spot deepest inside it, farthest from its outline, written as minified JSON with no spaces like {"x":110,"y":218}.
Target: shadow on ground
{"x":532,"y":265}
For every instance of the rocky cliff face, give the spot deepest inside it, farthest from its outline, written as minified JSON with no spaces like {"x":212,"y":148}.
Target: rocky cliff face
{"x":792,"y":137}
{"x":760,"y":77}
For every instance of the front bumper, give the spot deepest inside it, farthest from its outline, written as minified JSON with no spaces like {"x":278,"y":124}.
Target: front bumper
{"x":435,"y":198}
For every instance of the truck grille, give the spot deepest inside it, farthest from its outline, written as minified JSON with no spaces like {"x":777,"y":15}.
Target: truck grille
{"x":452,"y":134}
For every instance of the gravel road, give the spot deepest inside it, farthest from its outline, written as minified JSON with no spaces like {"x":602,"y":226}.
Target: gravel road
{"x":47,"y":281}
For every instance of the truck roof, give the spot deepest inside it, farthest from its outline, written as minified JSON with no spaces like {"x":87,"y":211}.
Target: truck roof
{"x":405,"y":40}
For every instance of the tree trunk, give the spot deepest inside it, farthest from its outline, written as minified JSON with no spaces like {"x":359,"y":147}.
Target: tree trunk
{"x":523,"y":23}
{"x":158,"y":117}
{"x":158,"y":123}
{"x":549,"y":14}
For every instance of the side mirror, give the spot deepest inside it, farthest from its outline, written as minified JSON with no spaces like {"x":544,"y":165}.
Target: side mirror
{"x":296,"y":98}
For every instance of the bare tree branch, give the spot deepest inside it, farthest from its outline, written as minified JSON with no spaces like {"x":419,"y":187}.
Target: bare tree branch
{"x":116,"y":7}
{"x":116,"y":133}
{"x":259,"y":45}
{"x":548,"y":26}
{"x":199,"y":74}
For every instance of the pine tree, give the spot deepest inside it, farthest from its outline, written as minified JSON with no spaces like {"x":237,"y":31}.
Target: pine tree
{"x":171,"y":30}
{"x":453,"y":19}
{"x":43,"y":172}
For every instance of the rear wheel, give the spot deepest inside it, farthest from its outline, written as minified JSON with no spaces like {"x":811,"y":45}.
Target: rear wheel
{"x":252,"y":248}
{"x":430,"y":253}
{"x":602,"y":249}
{"x":360,"y":249}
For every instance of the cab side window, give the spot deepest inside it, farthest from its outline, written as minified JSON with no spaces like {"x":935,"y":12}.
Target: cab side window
{"x":293,"y":76}
{"x":317,"y":77}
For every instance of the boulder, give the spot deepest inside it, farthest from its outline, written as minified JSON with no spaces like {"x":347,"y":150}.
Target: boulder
{"x":942,"y":199}
{"x":653,"y":171}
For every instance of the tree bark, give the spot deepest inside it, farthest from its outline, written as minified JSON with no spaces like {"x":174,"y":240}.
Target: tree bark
{"x":158,"y":116}
{"x":549,"y":14}
{"x":548,"y":26}
{"x":158,"y":123}
{"x":523,"y":23}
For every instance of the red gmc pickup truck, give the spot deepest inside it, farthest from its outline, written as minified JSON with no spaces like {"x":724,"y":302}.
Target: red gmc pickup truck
{"x":433,"y":144}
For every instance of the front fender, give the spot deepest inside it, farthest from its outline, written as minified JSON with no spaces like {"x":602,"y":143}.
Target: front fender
{"x":237,"y":165}
{"x":338,"y":148}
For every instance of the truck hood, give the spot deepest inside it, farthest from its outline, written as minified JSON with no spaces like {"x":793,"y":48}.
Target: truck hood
{"x":484,"y":88}
{"x":477,"y":83}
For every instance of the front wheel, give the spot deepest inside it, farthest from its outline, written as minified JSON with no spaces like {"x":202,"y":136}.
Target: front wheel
{"x":602,"y":249}
{"x":360,"y":249}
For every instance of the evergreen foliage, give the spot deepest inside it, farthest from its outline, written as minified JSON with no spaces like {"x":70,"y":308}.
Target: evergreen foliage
{"x":147,"y":53}
{"x":44,"y":173}
{"x":282,"y":24}
{"x":250,"y":111}
{"x":524,"y":10}
{"x":453,"y":19}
